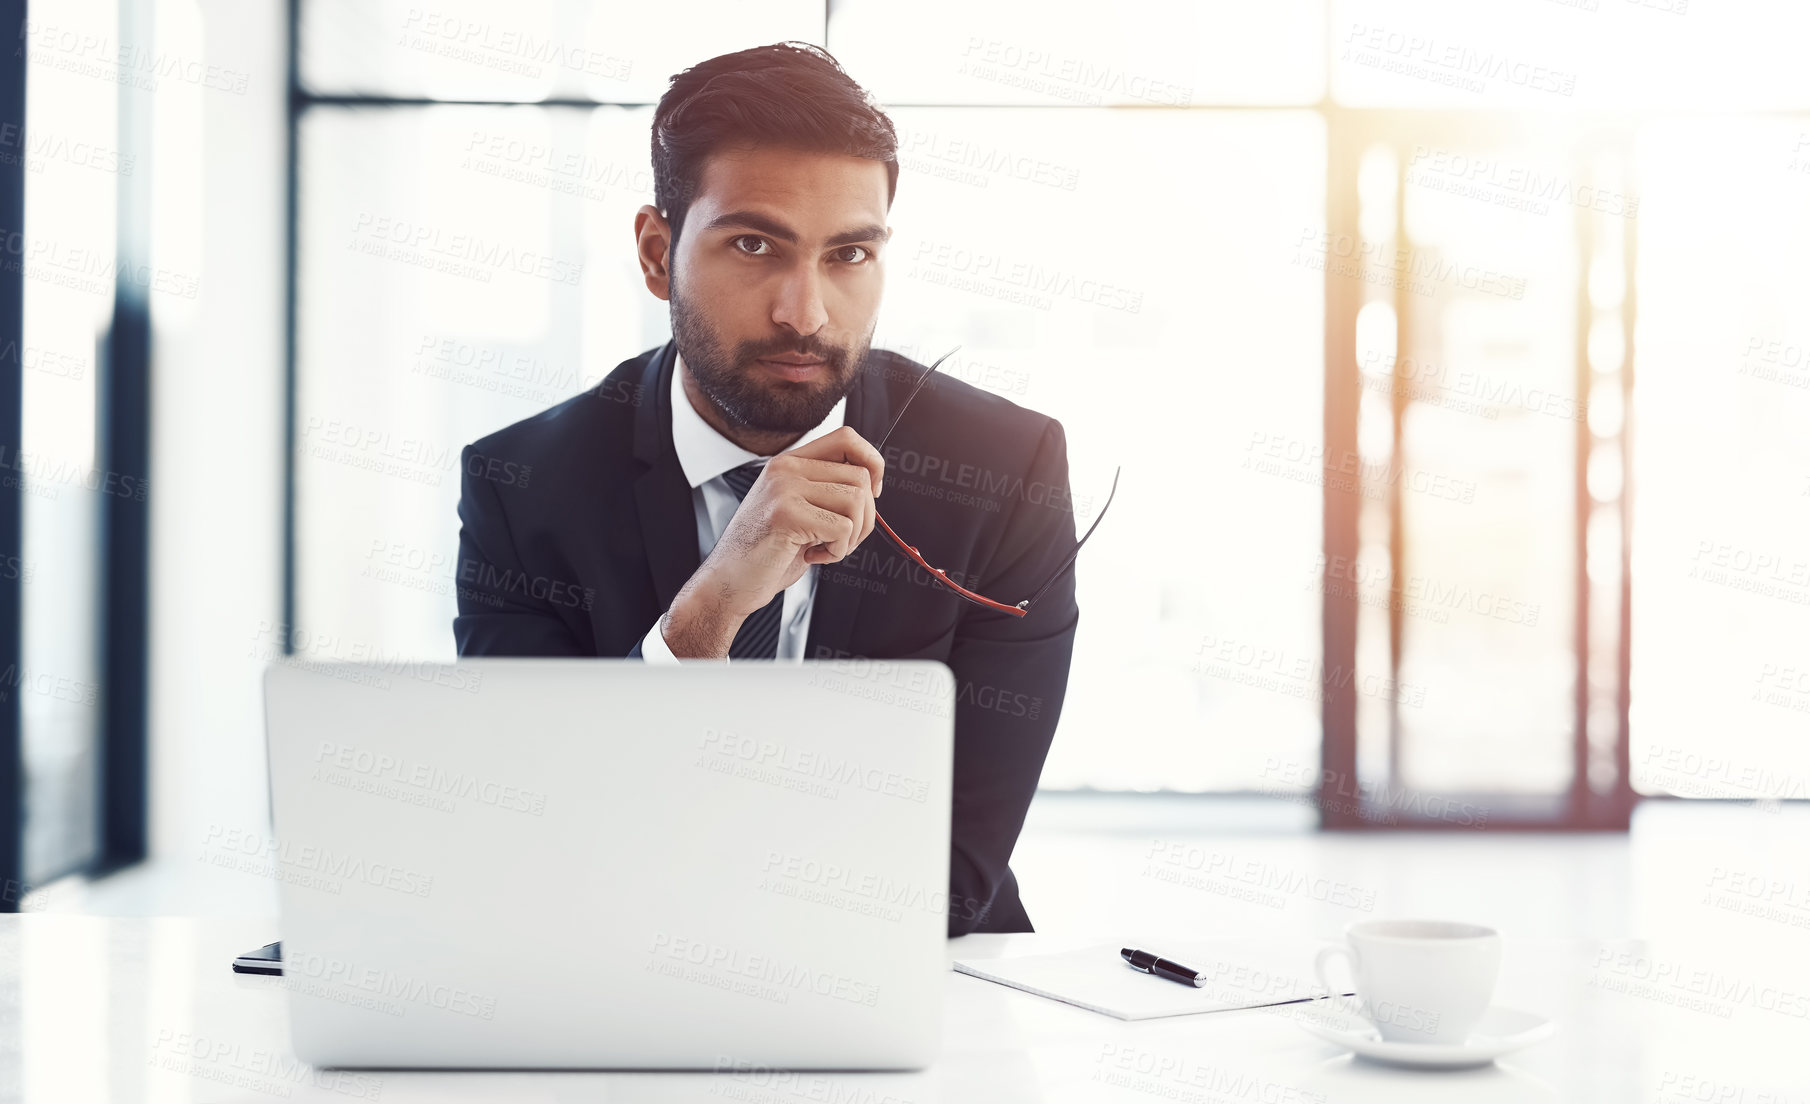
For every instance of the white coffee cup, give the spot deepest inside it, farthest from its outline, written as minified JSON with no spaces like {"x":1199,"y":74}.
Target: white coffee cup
{"x":1419,"y":981}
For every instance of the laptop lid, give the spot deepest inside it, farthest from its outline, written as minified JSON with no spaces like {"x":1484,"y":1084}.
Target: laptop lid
{"x":597,"y":863}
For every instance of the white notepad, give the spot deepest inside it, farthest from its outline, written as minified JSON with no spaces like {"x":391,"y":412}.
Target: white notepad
{"x":1241,"y":973}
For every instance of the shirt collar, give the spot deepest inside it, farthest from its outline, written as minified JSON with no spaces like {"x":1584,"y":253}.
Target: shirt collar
{"x":705,"y":454}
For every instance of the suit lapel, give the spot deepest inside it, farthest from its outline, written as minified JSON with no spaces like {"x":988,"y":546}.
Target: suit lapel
{"x":841,"y":585}
{"x":669,"y":528}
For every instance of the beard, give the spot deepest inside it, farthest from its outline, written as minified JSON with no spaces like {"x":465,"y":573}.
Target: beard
{"x":747,"y":396}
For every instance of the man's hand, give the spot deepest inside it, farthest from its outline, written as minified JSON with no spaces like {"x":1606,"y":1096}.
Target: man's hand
{"x":812,"y":505}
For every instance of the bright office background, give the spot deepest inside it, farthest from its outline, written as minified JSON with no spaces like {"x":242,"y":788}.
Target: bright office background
{"x":1456,"y":356}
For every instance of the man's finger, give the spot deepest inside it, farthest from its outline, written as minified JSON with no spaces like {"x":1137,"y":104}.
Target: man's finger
{"x":824,"y":528}
{"x":847,"y":502}
{"x":845,"y":446}
{"x":830,"y":471}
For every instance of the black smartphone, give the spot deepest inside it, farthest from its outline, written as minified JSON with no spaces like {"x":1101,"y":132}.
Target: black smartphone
{"x":267,"y":959}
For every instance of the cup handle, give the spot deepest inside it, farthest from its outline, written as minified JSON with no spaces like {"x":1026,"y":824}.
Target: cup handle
{"x":1323,"y":958}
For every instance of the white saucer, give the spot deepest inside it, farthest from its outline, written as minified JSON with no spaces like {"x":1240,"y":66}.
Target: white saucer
{"x":1500,"y":1031}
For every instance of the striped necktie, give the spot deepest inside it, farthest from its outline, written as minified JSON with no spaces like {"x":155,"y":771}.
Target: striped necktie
{"x":758,"y":638}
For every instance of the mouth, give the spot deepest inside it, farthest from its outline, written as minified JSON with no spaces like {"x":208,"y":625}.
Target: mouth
{"x":794,"y":368}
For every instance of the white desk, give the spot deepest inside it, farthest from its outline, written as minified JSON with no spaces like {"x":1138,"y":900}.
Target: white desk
{"x":148,"y":1010}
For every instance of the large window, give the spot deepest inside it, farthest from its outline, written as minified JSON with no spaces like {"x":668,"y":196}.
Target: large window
{"x":70,"y":214}
{"x":407,"y":349}
{"x":74,"y":486}
{"x":1722,"y":448}
{"x":1369,"y":357}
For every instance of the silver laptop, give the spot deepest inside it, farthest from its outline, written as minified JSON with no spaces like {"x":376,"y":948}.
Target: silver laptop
{"x":590,"y":863}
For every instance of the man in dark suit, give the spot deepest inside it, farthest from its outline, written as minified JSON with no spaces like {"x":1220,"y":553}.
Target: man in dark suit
{"x":716,"y":496}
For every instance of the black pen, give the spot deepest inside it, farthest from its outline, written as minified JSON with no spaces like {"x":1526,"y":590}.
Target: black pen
{"x":1162,"y":967}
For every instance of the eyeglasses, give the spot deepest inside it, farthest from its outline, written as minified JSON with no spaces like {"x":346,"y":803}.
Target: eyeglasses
{"x":1016,"y":610}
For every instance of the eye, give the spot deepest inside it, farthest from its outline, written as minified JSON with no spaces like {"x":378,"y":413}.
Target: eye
{"x":865,"y":254}
{"x":739,"y":239}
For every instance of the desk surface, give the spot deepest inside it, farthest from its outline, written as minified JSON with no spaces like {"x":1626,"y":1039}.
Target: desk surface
{"x":127,"y":1009}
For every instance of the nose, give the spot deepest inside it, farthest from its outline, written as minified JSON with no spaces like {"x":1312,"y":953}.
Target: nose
{"x":800,"y":301}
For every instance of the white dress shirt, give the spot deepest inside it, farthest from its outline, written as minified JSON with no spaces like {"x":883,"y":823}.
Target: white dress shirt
{"x":705,"y":455}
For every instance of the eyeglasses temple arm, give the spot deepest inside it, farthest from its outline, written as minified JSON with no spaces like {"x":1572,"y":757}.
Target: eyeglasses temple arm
{"x":1023,"y":607}
{"x":1070,"y":562}
{"x":942,"y":576}
{"x":919,"y":386}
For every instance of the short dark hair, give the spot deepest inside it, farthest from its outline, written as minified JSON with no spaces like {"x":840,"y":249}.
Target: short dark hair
{"x":789,"y":94}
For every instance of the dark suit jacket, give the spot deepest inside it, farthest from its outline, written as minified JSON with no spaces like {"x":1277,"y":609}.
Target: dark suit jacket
{"x":578,"y":531}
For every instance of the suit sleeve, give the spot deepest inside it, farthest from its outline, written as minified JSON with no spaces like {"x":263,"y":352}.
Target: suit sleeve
{"x":502,"y":612}
{"x":1011,"y":675}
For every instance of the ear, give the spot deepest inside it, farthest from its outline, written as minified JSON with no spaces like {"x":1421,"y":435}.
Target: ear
{"x":653,"y":243}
